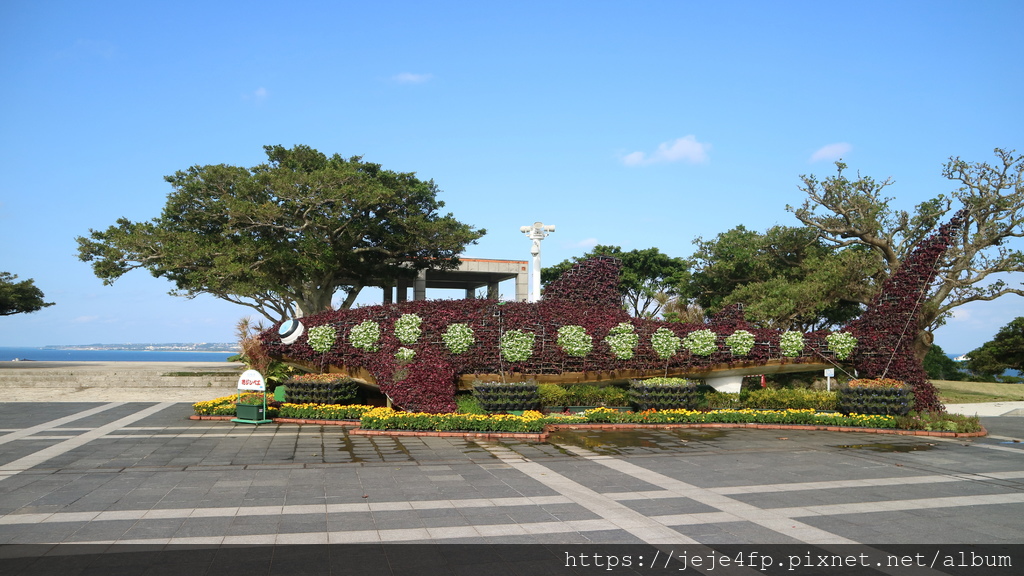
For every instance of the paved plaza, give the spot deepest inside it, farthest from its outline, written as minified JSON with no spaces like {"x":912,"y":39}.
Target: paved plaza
{"x":142,"y":473}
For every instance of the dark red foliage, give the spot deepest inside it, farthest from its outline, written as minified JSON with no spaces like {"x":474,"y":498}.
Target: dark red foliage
{"x":890,"y":325}
{"x":588,"y":296}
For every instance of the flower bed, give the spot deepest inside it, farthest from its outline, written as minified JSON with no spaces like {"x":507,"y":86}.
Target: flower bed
{"x":225,"y":406}
{"x":534,"y":422}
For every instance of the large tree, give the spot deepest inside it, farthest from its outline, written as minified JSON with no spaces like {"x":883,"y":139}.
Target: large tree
{"x":287,"y":235}
{"x":1004,"y":352}
{"x":647,"y":276}
{"x":19,"y":297}
{"x":786,"y":278}
{"x":855,"y":213}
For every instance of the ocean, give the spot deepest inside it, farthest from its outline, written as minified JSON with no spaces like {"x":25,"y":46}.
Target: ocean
{"x":52,"y":355}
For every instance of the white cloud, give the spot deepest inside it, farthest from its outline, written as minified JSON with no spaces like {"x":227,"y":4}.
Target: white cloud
{"x":685,"y":149}
{"x":410,"y":78}
{"x":831,"y":152}
{"x":258,"y":95}
{"x":586,"y":243}
{"x":85,"y":319}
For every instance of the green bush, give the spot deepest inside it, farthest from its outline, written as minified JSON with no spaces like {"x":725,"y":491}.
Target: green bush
{"x":715,"y":400}
{"x":614,"y":396}
{"x":468,"y":404}
{"x":783,"y":398}
{"x":321,"y":389}
{"x":665,"y":394}
{"x":506,"y":396}
{"x":890,"y":401}
{"x":584,"y":395}
{"x":939,"y":422}
{"x":553,"y":396}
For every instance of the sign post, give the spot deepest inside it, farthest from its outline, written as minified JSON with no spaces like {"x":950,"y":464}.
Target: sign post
{"x":829,"y":375}
{"x":253,"y":381}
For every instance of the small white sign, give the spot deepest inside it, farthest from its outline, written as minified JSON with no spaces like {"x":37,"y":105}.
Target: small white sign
{"x":830,"y":373}
{"x":252,"y":380}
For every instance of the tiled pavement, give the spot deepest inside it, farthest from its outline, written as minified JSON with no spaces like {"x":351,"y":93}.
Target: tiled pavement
{"x":143,"y":473}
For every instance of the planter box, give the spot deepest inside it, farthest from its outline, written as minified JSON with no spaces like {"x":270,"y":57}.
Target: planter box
{"x":247,"y":412}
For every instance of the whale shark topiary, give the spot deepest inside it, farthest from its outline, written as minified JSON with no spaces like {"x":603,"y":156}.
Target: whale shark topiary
{"x":419,"y":352}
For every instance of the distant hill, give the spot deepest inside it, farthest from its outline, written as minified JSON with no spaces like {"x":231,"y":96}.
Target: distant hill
{"x":166,"y":347}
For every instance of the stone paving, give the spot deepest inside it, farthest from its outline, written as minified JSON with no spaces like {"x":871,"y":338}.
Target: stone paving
{"x":142,"y":473}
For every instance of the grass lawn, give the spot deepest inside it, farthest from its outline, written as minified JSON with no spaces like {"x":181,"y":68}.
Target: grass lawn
{"x":951,"y":392}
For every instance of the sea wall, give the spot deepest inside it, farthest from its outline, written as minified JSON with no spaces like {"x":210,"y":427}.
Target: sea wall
{"x":105,"y":375}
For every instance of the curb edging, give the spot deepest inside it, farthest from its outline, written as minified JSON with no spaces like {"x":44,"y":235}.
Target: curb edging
{"x":548,"y":429}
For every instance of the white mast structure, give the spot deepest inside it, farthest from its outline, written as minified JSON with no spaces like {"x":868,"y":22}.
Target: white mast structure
{"x":537,"y":232}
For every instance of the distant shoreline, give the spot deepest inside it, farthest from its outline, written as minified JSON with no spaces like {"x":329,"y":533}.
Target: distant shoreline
{"x":225,"y":347}
{"x":110,"y":354}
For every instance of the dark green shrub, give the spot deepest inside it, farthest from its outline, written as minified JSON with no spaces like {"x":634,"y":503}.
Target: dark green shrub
{"x":468,"y":404}
{"x":788,"y":398}
{"x":553,"y":396}
{"x":584,"y":395}
{"x":665,"y":394}
{"x":889,"y":401}
{"x":321,"y":389}
{"x":715,"y":400}
{"x":506,"y":396}
{"x":614,"y":396}
{"x":939,"y":422}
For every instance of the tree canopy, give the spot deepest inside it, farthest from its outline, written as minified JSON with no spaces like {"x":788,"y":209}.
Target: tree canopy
{"x":285,"y":236}
{"x":19,"y":297}
{"x":786,"y":278}
{"x":852,"y":213}
{"x":647,"y":276}
{"x":939,"y":366}
{"x":1004,"y":352}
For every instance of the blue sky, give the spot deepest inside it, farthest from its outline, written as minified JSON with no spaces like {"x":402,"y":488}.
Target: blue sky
{"x":633,"y":124}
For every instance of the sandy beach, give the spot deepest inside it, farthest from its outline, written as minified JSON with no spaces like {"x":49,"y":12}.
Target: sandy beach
{"x":116,"y":381}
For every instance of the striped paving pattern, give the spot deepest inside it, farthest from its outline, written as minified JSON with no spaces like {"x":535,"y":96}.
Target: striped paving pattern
{"x":141,"y":473}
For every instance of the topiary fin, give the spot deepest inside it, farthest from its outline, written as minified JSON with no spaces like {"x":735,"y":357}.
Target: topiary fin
{"x":594,"y":282}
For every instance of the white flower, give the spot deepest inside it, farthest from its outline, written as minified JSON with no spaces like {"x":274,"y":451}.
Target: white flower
{"x":792,"y":343}
{"x":622,"y":339}
{"x":407,"y":328}
{"x":575,"y":340}
{"x":516,"y":345}
{"x":665,"y":343}
{"x":321,"y":338}
{"x":405,"y":354}
{"x":458,"y":338}
{"x":740,"y":342}
{"x":841,"y":344}
{"x":701,"y":342}
{"x":365,"y":335}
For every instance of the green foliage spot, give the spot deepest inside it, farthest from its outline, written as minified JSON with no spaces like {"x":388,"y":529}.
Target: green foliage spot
{"x":321,"y":338}
{"x":701,"y":342}
{"x":575,"y":340}
{"x":516,"y":345}
{"x":665,"y":343}
{"x":841,"y":344}
{"x":792,"y":343}
{"x":740,"y":342}
{"x":407,"y":328}
{"x":365,"y":335}
{"x":622,"y":339}
{"x":458,"y":338}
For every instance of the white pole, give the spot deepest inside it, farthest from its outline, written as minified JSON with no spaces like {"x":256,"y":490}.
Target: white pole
{"x":536,"y":233}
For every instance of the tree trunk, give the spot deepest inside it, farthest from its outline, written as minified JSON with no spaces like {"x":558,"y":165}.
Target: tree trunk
{"x":922,"y":344}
